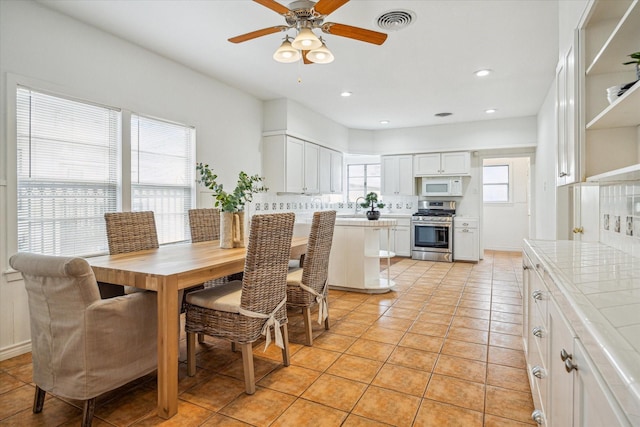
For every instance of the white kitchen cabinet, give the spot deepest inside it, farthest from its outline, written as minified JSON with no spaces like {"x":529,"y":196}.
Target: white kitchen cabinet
{"x":611,"y":31}
{"x":399,"y":240}
{"x":568,"y":168}
{"x":466,"y":241}
{"x":290,"y":165}
{"x":330,"y":171}
{"x":561,"y":338}
{"x":586,"y":212}
{"x":397,"y":175}
{"x":439,"y":164}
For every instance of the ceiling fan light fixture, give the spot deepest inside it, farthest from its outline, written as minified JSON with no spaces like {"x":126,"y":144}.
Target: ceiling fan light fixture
{"x":286,"y":53}
{"x":321,"y":55}
{"x":306,"y":40}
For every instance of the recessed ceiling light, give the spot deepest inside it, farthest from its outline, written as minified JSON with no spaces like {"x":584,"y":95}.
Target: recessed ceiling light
{"x":442,"y":114}
{"x":384,"y":122}
{"x":345,"y":94}
{"x":483,"y":73}
{"x":490,"y":111}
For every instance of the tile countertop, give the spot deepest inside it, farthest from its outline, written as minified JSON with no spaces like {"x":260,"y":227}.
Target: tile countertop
{"x":597,"y":288}
{"x":364,"y":222}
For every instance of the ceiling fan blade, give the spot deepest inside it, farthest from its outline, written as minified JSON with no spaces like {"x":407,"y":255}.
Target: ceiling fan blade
{"x":325,"y":7}
{"x":274,"y":5}
{"x":258,"y":33}
{"x":356,"y":33}
{"x":304,"y":57}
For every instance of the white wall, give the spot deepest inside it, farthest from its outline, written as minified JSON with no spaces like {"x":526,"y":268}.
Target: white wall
{"x":505,"y":225}
{"x":47,"y":50}
{"x":544,"y":188}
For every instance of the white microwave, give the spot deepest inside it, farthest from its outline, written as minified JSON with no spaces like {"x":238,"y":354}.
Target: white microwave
{"x":441,"y":187}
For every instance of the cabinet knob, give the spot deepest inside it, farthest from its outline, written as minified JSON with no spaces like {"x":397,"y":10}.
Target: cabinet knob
{"x":578,"y":230}
{"x":562,"y":174}
{"x":537,"y":331}
{"x":538,"y":372}
{"x":465,"y":230}
{"x":537,"y":294}
{"x":525,"y":267}
{"x":564,"y":355}
{"x":537,"y":416}
{"x":569,"y":365}
{"x":465,"y":224}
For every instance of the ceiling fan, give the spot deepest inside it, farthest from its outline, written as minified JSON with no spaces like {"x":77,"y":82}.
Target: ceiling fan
{"x":305,"y":16}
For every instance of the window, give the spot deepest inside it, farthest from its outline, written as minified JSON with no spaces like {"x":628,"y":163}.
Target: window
{"x":66,"y":166}
{"x":69,"y":173}
{"x":362,"y":179}
{"x":162,"y":174}
{"x":496,"y":184}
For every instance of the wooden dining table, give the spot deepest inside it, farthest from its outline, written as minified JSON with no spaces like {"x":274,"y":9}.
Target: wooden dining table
{"x":166,"y":271}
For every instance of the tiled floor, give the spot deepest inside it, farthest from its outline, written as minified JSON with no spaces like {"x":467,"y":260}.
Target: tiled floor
{"x":443,"y":349}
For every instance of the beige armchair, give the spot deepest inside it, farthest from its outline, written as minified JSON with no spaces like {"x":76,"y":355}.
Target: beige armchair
{"x":82,"y":345}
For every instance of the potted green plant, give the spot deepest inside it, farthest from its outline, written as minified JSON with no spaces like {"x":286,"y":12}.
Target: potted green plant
{"x":371,"y":201}
{"x":231,"y":204}
{"x":635,"y":60}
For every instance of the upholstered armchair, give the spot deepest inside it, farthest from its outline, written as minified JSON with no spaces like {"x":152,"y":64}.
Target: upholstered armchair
{"x":82,"y":345}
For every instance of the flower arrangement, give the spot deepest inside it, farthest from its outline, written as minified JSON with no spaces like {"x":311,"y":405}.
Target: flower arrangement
{"x":247,"y":186}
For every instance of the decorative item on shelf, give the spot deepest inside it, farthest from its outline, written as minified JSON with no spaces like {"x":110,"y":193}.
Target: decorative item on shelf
{"x":372,"y":202}
{"x":635,"y":60}
{"x":232,"y":233}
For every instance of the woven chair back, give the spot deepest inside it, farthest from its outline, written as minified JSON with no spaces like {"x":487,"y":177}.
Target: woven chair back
{"x":264,"y":284}
{"x":316,"y":261}
{"x":204,"y":224}
{"x":131,"y":231}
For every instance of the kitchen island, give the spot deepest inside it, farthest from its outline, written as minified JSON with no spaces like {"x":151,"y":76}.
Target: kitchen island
{"x":354,"y":263}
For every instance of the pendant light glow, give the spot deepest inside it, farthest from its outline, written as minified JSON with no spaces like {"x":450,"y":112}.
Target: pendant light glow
{"x":306,"y":40}
{"x":321,"y":55}
{"x":286,"y":53}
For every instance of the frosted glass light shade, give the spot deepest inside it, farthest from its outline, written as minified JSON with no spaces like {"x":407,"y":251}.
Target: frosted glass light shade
{"x":286,"y":53}
{"x":306,"y":40}
{"x":321,"y":55}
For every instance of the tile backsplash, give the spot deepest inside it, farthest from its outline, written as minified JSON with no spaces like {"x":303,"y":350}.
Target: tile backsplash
{"x":620,"y":216}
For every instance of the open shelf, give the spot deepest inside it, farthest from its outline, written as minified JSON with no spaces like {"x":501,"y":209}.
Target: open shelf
{"x":630,"y":173}
{"x":622,"y":112}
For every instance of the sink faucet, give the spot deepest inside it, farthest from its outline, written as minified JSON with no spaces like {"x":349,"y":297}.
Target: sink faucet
{"x":317,"y":199}
{"x":358,"y":204}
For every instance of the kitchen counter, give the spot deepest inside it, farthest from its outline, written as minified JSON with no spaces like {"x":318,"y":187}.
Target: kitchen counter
{"x":597,"y":288}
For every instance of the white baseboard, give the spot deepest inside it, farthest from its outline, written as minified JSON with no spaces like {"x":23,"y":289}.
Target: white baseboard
{"x":15,"y":350}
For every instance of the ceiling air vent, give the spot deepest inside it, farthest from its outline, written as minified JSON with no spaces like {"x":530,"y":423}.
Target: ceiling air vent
{"x":395,"y":20}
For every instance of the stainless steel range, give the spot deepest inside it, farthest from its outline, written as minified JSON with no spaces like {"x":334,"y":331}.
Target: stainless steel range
{"x":432,"y":231}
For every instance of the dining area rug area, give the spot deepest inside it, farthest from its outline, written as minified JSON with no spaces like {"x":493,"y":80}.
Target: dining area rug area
{"x":444,"y":347}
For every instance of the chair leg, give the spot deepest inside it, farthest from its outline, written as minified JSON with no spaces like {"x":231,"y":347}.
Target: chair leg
{"x":87,"y":412}
{"x":234,"y":347}
{"x":191,"y":354}
{"x":38,"y":400}
{"x":326,"y":323}
{"x":306,"y":314}
{"x":247,"y":365}
{"x":285,"y":350}
{"x":200,"y":338}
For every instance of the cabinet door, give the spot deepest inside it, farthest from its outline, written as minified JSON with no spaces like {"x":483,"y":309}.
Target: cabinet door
{"x":465,"y":244}
{"x":311,"y":176}
{"x":559,"y":404}
{"x":566,"y":116}
{"x":324,"y":170}
{"x":456,"y":163}
{"x":390,"y":173}
{"x":586,"y":210}
{"x":294,"y":167}
{"x":402,"y":241}
{"x":427,"y":164}
{"x":336,"y":172}
{"x":405,"y":176}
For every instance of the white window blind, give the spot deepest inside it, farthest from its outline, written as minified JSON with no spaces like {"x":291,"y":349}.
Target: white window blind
{"x":67,"y":173}
{"x":163,"y":174}
{"x":496,"y":184}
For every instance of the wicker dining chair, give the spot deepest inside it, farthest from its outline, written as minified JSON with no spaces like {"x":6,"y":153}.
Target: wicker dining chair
{"x":129,"y":232}
{"x":307,"y":287}
{"x":244,"y":310}
{"x":81,"y":345}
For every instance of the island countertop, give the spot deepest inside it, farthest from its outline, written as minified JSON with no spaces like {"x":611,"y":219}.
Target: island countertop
{"x":364,"y":222}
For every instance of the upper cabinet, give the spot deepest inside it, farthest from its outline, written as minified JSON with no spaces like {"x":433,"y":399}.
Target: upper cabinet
{"x":440,"y":164}
{"x":291,"y":165}
{"x":610,"y":33}
{"x":330,"y":171}
{"x":568,"y":167}
{"x":397,"y":175}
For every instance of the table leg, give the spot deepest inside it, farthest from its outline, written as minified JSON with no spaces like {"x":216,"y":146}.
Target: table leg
{"x":168,"y":337}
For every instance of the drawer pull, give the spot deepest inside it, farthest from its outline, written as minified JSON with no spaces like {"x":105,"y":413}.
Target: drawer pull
{"x":537,"y":331}
{"x":525,"y":267}
{"x":564,"y":355}
{"x":538,"y":372}
{"x":569,"y":365}
{"x":537,"y":294}
{"x":537,"y":416}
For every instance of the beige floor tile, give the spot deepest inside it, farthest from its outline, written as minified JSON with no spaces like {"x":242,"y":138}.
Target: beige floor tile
{"x":358,"y":421}
{"x":364,"y":318}
{"x":290,"y":379}
{"x":370,"y":349}
{"x":218,"y":420}
{"x":402,"y":313}
{"x":314,"y":358}
{"x":442,"y":319}
{"x":355,"y":368}
{"x":333,"y":342}
{"x":336,"y":392}
{"x":188,"y":415}
{"x":465,"y":369}
{"x":513,"y":342}
{"x":259,"y":409}
{"x":507,"y":356}
{"x":387,"y":406}
{"x":470,"y":323}
{"x":508,"y":377}
{"x":352,"y":329}
{"x":413,"y":358}
{"x":371,"y":309}
{"x":506,"y":317}
{"x":311,"y":414}
{"x":422,"y":342}
{"x":426,"y":328}
{"x":385,"y":335}
{"x":402,"y":379}
{"x":493,"y":421}
{"x":456,"y":392}
{"x":468,"y":335}
{"x":394,"y":323}
{"x":9,"y":382}
{"x":506,"y":328}
{"x":473,"y":312}
{"x":437,"y":414}
{"x":16,"y":400}
{"x":465,"y":350}
{"x":54,"y":413}
{"x":510,"y":404}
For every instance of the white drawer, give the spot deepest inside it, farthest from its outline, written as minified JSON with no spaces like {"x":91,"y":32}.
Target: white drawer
{"x":465,"y":222}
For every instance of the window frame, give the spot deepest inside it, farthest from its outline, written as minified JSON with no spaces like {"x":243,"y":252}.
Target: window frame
{"x":508,"y":184}
{"x":366,"y":177}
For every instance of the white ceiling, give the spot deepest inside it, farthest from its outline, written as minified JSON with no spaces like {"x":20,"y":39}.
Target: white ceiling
{"x":421,"y":70}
